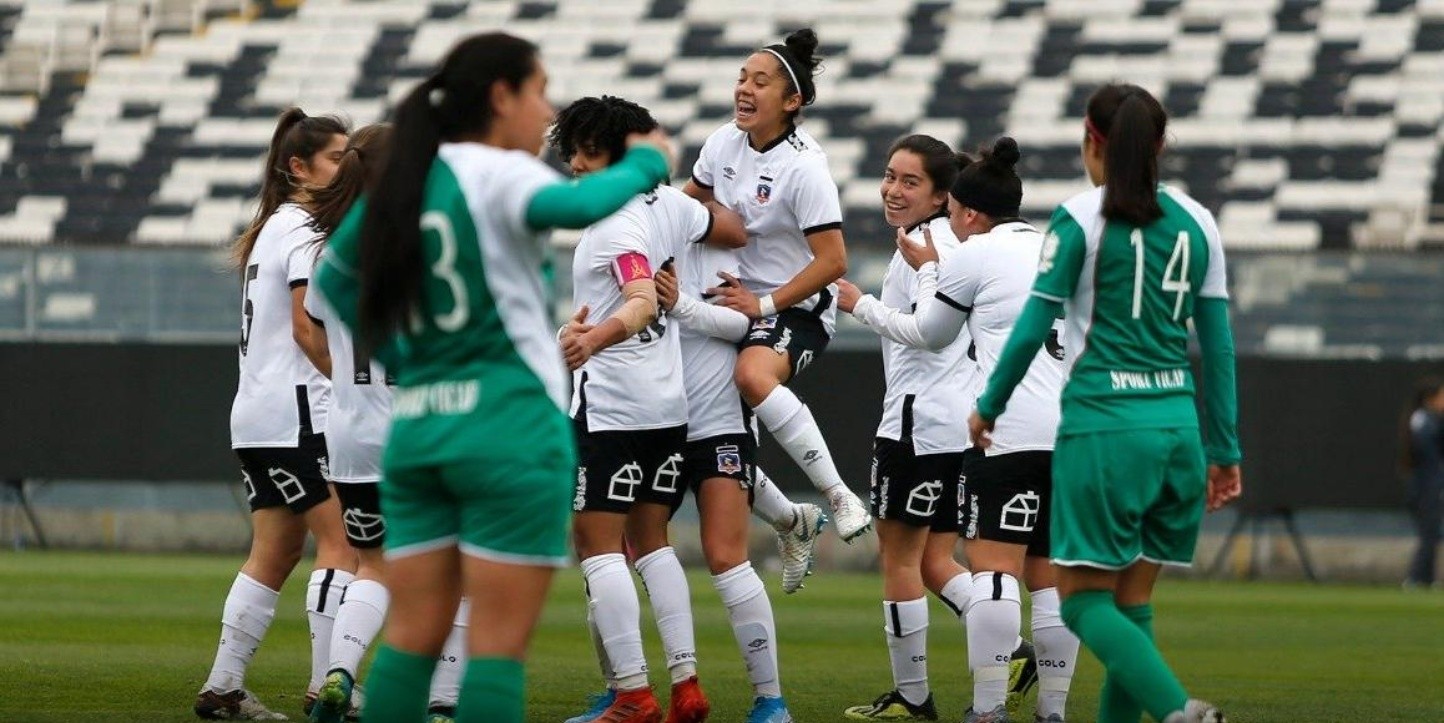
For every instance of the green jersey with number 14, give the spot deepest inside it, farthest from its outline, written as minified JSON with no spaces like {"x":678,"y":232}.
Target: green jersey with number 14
{"x":1129,"y":293}
{"x":478,"y":370}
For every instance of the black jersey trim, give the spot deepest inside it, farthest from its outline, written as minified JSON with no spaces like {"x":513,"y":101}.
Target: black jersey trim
{"x":315,"y":321}
{"x":298,"y":283}
{"x":700,"y":184}
{"x":581,"y":417}
{"x":819,"y":228}
{"x":711,"y":221}
{"x":787,"y":133}
{"x":942,"y":213}
{"x":940,"y":296}
{"x":303,"y":409}
{"x":907,"y":418}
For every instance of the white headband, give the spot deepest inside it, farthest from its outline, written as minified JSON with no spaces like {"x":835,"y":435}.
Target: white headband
{"x":790,"y":73}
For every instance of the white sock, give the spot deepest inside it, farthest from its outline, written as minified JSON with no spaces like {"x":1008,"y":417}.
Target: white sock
{"x":793,"y":427}
{"x":906,"y":623}
{"x":358,"y":621}
{"x":1057,"y":650}
{"x":666,"y":585}
{"x":618,"y":617}
{"x":603,"y":661}
{"x":957,"y":593}
{"x":446,"y":680}
{"x":250,"y":607}
{"x":995,"y":618}
{"x":769,"y":504}
{"x":750,"y":611}
{"x":323,"y":598}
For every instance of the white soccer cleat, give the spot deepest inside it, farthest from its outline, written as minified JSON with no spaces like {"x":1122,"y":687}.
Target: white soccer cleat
{"x":1198,"y":711}
{"x":849,"y":514}
{"x":798,"y":545}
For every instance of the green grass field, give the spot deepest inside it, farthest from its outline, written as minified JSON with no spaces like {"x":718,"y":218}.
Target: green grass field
{"x":121,"y":637}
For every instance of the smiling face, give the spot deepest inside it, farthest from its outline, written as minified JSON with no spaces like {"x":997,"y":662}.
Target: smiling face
{"x":908,"y":194}
{"x":764,"y":100}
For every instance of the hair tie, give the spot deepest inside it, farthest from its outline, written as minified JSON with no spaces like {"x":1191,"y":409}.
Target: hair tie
{"x":1093,"y":131}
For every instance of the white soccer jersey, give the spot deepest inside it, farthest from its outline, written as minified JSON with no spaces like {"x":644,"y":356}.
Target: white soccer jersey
{"x":714,"y":406}
{"x":783,"y":193}
{"x":360,"y":411}
{"x":990,"y":279}
{"x":637,"y":383}
{"x":280,"y":392}
{"x":935,"y":389}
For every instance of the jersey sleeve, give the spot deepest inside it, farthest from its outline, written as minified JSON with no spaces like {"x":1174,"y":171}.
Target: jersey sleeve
{"x":300,"y":254}
{"x":814,"y":196}
{"x":524,"y":179}
{"x":621,"y":247}
{"x":696,"y":221}
{"x":1062,"y":259}
{"x":336,"y":274}
{"x":702,"y":170}
{"x":315,"y":305}
{"x":1215,"y":278}
{"x":960,"y":276}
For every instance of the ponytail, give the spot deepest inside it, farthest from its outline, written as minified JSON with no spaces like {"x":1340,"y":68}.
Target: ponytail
{"x":1128,"y":123}
{"x":453,"y":102}
{"x":297,"y":135}
{"x":359,"y":168}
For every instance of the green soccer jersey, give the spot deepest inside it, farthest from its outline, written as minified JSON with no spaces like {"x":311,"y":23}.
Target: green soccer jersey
{"x":1128,"y":295}
{"x":478,"y":370}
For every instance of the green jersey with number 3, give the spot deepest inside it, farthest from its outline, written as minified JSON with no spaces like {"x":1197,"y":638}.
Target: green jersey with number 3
{"x":1128,"y":294}
{"x":478,"y":370}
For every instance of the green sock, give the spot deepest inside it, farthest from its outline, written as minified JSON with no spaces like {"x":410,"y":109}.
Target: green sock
{"x":493,"y":691}
{"x":1129,"y":656}
{"x":398,"y":685}
{"x":1115,"y":704}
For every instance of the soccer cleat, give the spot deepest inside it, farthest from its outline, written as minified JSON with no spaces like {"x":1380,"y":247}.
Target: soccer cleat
{"x":893,"y":706}
{"x":333,"y":698}
{"x":996,"y":715}
{"x":767,"y":709}
{"x":798,"y":545}
{"x":1022,"y":676}
{"x":1197,"y":711}
{"x":233,"y":705}
{"x":597,"y":704}
{"x":441,"y":714}
{"x":849,"y":515}
{"x":1055,"y":718}
{"x":688,"y":704}
{"x":632,"y":706}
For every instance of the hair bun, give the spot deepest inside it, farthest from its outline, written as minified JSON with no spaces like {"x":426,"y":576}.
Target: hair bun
{"x":803,"y":44}
{"x":1005,"y":152}
{"x":962,"y":160}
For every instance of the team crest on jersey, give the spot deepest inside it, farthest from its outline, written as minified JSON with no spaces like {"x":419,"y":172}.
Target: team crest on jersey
{"x":764,"y":190}
{"x":1050,"y":252}
{"x":729,"y":459}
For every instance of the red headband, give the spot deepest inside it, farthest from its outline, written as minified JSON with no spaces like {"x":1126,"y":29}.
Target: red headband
{"x":1093,"y":132}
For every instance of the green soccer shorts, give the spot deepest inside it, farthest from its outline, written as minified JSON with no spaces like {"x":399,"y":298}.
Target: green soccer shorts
{"x":513,"y":507}
{"x":1128,"y":495}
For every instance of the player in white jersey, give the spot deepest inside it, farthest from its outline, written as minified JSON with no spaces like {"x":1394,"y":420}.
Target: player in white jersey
{"x":1008,"y":487}
{"x":776,"y":176}
{"x":278,"y":419}
{"x":358,"y":419}
{"x":918,"y":453}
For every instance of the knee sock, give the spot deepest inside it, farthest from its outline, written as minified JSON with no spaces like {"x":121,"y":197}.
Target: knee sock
{"x":493,"y":692}
{"x":1129,"y":657}
{"x":323,"y":599}
{"x":1056,"y":648}
{"x":793,"y":427}
{"x":906,"y":623}
{"x":397,"y":685}
{"x":1115,"y":705}
{"x":957,"y":593}
{"x":994,"y":620}
{"x":618,"y":617}
{"x":750,"y":612}
{"x":358,"y":620}
{"x":250,"y":607}
{"x":608,"y":676}
{"x":769,"y":504}
{"x":666,"y":585}
{"x":446,"y":681}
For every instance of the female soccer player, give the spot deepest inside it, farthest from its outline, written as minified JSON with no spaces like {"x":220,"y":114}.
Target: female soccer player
{"x":917,"y":456}
{"x":359,"y":414}
{"x":775,"y":175}
{"x":278,"y":420}
{"x":1132,"y":261}
{"x":1008,"y":486}
{"x":441,"y":272}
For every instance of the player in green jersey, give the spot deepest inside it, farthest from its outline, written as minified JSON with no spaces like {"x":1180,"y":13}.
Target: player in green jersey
{"x":1131,"y":262}
{"x":442,"y":273}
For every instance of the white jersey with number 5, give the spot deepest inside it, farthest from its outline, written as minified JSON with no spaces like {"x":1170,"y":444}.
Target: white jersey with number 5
{"x":636,"y":383}
{"x":280,"y":393}
{"x":360,"y":412}
{"x":783,"y":193}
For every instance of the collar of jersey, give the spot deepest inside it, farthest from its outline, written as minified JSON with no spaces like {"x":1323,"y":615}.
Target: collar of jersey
{"x":941,"y":213}
{"x":775,"y":142}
